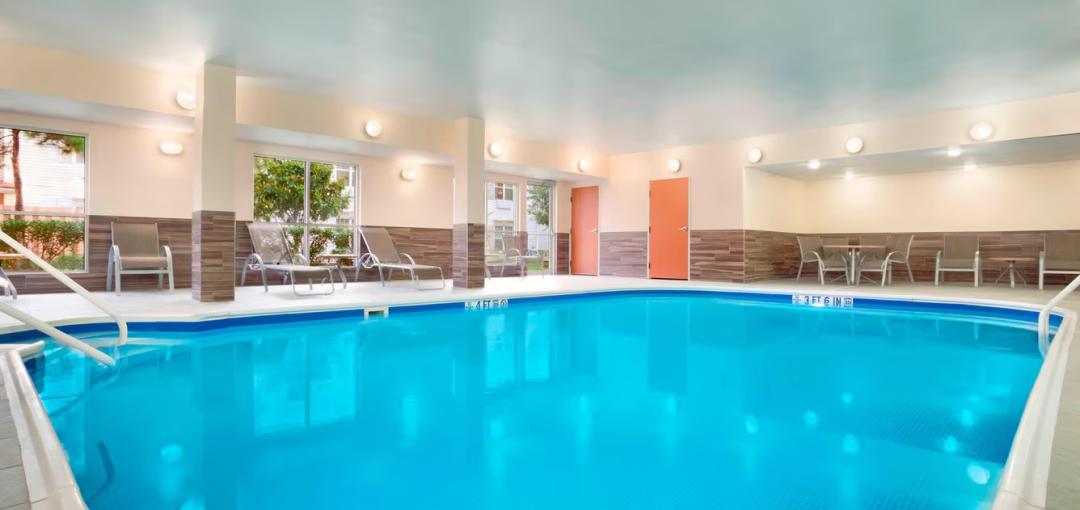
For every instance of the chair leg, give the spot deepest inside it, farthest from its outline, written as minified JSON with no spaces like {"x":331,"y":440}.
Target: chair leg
{"x":262,"y":277}
{"x":172,"y":280}
{"x":160,"y":281}
{"x":382,"y":279}
{"x":108,"y":273}
{"x":116,"y":274}
{"x":799,"y":274}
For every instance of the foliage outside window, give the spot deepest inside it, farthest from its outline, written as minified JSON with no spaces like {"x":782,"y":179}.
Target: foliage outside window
{"x":315,"y":201}
{"x":43,"y":196}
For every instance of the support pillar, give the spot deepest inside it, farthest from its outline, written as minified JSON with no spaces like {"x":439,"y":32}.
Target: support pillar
{"x":468,"y":246}
{"x":213,"y":220}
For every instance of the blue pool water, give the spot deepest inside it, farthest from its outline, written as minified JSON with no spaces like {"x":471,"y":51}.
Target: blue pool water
{"x":629,"y":401}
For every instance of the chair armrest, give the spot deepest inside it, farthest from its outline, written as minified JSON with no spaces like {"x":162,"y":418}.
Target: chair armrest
{"x":114,"y":250}
{"x":938,"y":256}
{"x":406,"y":255}
{"x":168,"y":253}
{"x":299,"y":259}
{"x":367,"y":260}
{"x":257,"y":261}
{"x":1042,"y":257}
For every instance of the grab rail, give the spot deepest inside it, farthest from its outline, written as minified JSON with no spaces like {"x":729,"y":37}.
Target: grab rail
{"x":1044,"y":314}
{"x":61,"y":337}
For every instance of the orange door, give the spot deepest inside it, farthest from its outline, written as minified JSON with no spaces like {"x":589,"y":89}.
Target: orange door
{"x":669,"y":231}
{"x":584,"y":223}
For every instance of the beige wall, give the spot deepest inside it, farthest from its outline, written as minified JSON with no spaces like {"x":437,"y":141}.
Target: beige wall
{"x":772,"y":202}
{"x":84,"y":78}
{"x":128,"y":175}
{"x":385,"y":198}
{"x":302,"y":113}
{"x":1029,"y":197}
{"x":563,"y":157}
{"x":715,"y":173}
{"x":716,"y":170}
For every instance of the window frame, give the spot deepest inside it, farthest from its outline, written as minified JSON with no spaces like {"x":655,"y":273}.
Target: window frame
{"x":86,"y":194}
{"x":307,"y":224}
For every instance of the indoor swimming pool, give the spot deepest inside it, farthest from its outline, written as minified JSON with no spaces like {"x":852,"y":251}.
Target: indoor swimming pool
{"x":681,"y":400}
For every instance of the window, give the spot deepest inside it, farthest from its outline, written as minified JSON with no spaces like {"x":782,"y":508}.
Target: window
{"x":502,"y":216}
{"x":315,"y":201}
{"x":541,"y":237}
{"x":43,"y":196}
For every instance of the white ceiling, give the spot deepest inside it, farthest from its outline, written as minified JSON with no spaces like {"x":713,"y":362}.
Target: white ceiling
{"x":621,"y":74}
{"x":1046,"y":149}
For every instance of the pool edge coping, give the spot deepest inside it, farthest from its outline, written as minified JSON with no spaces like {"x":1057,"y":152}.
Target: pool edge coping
{"x":1023,"y":485}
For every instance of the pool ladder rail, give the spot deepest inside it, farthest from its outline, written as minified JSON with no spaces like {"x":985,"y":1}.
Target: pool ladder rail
{"x":63,"y":338}
{"x":1044,"y":314}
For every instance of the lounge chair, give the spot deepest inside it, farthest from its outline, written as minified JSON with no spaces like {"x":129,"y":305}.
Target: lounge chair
{"x":1060,"y":255}
{"x":960,"y":255}
{"x":382,"y":253}
{"x":136,"y":249}
{"x":272,"y":253}
{"x":808,"y":249}
{"x":899,"y":248}
{"x":832,"y":260}
{"x":874,"y":260}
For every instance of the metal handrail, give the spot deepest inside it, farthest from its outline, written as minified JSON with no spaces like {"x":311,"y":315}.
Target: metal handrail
{"x":1044,"y":314}
{"x":61,"y":337}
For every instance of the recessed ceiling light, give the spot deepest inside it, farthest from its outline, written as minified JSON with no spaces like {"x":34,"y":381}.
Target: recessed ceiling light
{"x":583,"y":165}
{"x":674,"y":165}
{"x":849,"y":175}
{"x":953,"y":151}
{"x":186,"y":98}
{"x":373,"y":128}
{"x":854,"y":145}
{"x":981,"y":131}
{"x":754,"y":155}
{"x":495,"y":149}
{"x":813,"y":164}
{"x":969,"y":167}
{"x":171,"y":147}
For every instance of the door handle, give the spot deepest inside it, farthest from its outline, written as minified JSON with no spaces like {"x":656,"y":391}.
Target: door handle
{"x":683,"y":229}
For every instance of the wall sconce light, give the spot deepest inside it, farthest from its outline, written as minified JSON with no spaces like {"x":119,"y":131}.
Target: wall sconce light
{"x":813,"y":164}
{"x":185,"y":98}
{"x":674,"y":165}
{"x":754,"y":155}
{"x":495,"y":149}
{"x":373,"y":128}
{"x":854,"y":145}
{"x":583,"y":165}
{"x":408,"y":174}
{"x":969,"y":167}
{"x":171,"y":147}
{"x":981,"y":131}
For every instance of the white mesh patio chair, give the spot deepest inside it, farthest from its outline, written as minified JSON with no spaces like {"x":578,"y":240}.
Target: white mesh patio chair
{"x":808,"y":249}
{"x":383,"y":254}
{"x":900,"y":255}
{"x":272,"y":253}
{"x":959,"y":255}
{"x":1060,"y":255}
{"x":873,"y":260}
{"x":136,"y":249}
{"x":833,"y":260}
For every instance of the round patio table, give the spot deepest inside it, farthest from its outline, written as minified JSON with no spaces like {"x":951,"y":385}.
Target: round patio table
{"x":853,"y":256}
{"x":1010,"y":268}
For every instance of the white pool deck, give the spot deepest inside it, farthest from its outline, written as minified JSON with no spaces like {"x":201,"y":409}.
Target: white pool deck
{"x":1063,"y":490}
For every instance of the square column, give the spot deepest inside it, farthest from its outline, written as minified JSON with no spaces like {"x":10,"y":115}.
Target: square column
{"x":468,"y":245}
{"x":213,"y":220}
